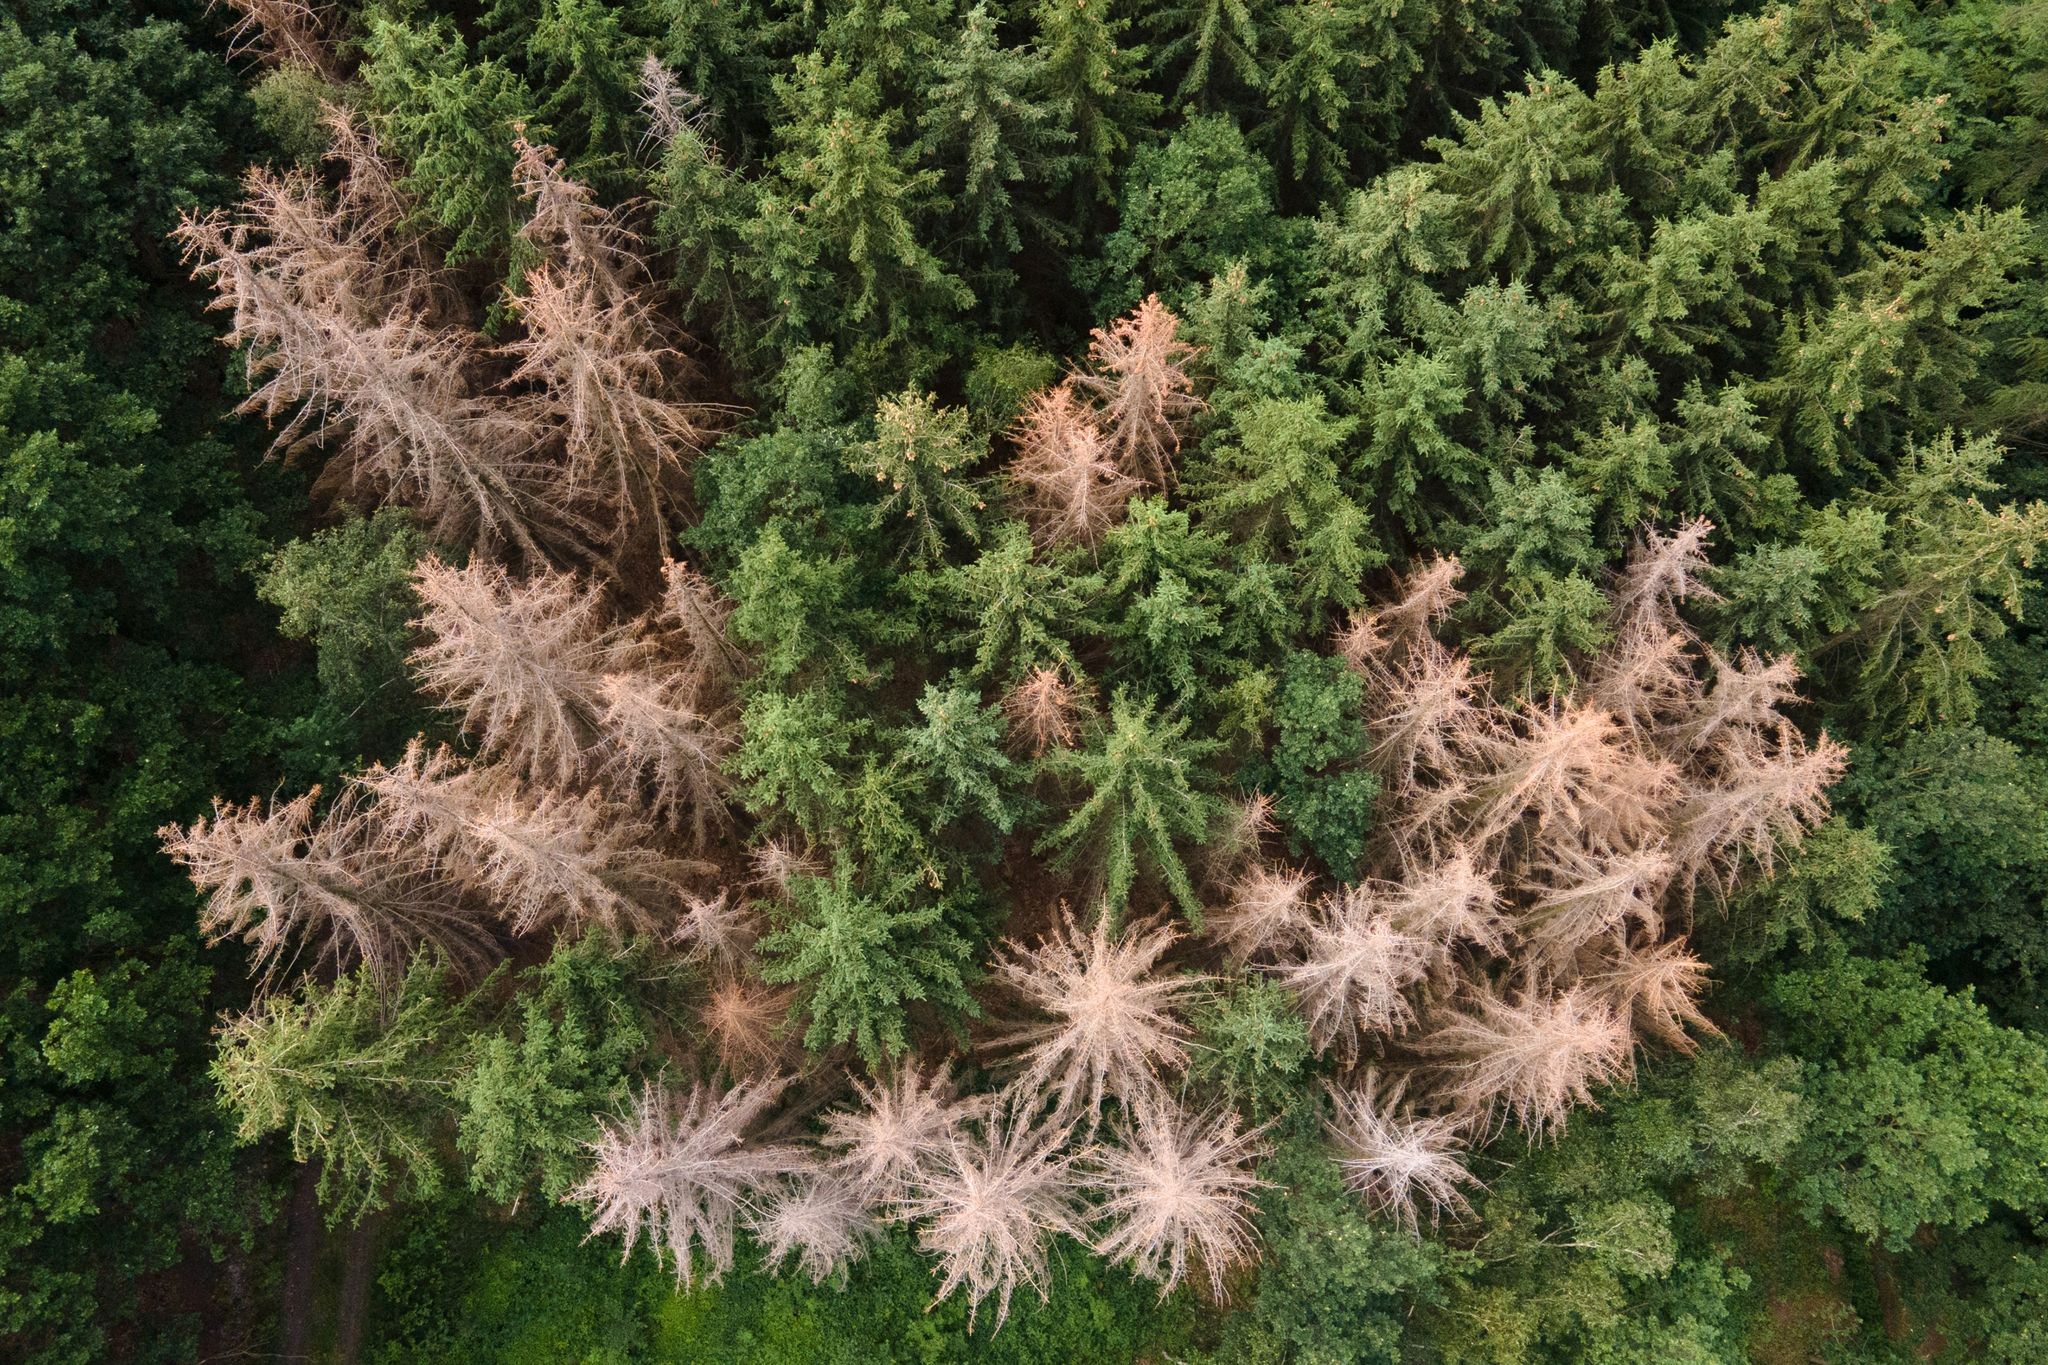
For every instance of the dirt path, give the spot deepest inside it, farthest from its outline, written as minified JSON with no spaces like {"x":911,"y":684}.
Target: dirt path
{"x":357,"y":1277}
{"x":302,"y":1252}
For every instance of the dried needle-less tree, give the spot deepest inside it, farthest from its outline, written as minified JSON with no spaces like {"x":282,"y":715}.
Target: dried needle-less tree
{"x":1139,"y":372}
{"x":1177,"y":1186}
{"x":1400,"y":1161}
{"x":816,"y":1220}
{"x":1106,"y":1021}
{"x":991,"y":1203}
{"x":337,"y":890}
{"x":682,"y":1170}
{"x":899,"y":1127}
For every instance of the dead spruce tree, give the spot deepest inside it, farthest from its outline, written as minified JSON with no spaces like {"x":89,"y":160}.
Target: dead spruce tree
{"x":1104,"y":1021}
{"x":332,"y":891}
{"x":1175,"y":1188}
{"x":682,"y":1170}
{"x":990,"y":1204}
{"x":1521,"y":933}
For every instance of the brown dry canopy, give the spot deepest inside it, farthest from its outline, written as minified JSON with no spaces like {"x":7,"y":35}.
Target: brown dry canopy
{"x":286,"y":33}
{"x":991,"y":1204}
{"x":1072,"y":490}
{"x":542,"y":860}
{"x":1535,"y":863}
{"x":601,"y":383}
{"x":1090,"y":443}
{"x":897,"y":1132}
{"x":552,"y":686}
{"x":680,"y":1170}
{"x":666,"y":105}
{"x":1139,"y":373}
{"x":1045,"y":710}
{"x":524,"y":662}
{"x":719,"y":929}
{"x":334,"y":892}
{"x":1533,"y":1059}
{"x":1399,"y":1160}
{"x":746,"y":1024}
{"x":341,"y":323}
{"x":1265,"y":911}
{"x":1354,"y":970}
{"x":1107,"y":1023}
{"x":1176,"y":1188}
{"x":818,"y":1222}
{"x":570,"y":442}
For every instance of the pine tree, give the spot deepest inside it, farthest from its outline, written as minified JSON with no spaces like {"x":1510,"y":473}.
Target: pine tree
{"x":598,"y":369}
{"x":1073,"y":489}
{"x":1532,"y":1059}
{"x":1208,"y":50}
{"x":1138,"y":801}
{"x":981,"y":118}
{"x":959,"y":752}
{"x":1316,"y":99}
{"x":1019,"y":610}
{"x":451,"y":120}
{"x":845,"y":227}
{"x":1354,"y":969}
{"x":1045,"y":709}
{"x":920,"y":455}
{"x":525,"y":662}
{"x":1139,"y":371}
{"x":358,"y":1075}
{"x":814,"y":1220}
{"x":1091,"y":81}
{"x":862,"y":959}
{"x":1274,"y":482}
{"x":901,"y":1129}
{"x":578,"y":865}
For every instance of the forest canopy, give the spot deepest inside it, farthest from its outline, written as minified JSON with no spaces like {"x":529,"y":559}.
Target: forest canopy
{"x":891,"y":679}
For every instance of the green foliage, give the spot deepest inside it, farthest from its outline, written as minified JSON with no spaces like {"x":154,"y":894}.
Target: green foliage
{"x":1915,"y":577}
{"x":461,"y":1288}
{"x":1334,"y":1285}
{"x":1923,"y":1110}
{"x":1018,"y":609}
{"x":792,"y":755}
{"x":1278,"y":488}
{"x":357,"y":1082}
{"x":1091,"y":83}
{"x":1254,"y":1046}
{"x":530,"y":1096}
{"x":919,"y":457}
{"x":1595,"y":1252}
{"x":1326,"y":799}
{"x":451,"y":120}
{"x":129,"y":658}
{"x":959,"y":751}
{"x":348,"y":589}
{"x":1505,"y":280}
{"x":1963,"y":817}
{"x":982,"y":123}
{"x":861,"y":958}
{"x":1190,"y":208}
{"x":843,"y":236}
{"x":1001,"y":378}
{"x":1137,"y":801}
